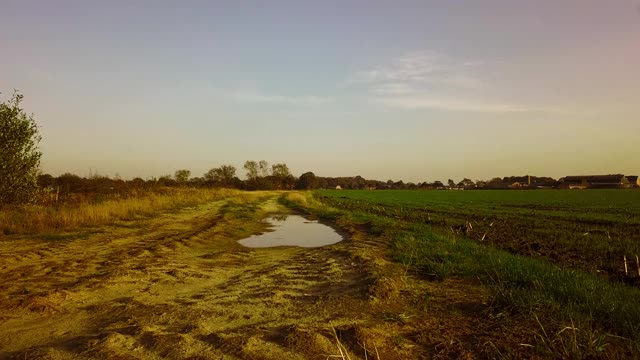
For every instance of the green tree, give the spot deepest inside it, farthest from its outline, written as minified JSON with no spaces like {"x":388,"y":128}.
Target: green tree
{"x":280,"y":170}
{"x":307,"y":181}
{"x":19,"y":153}
{"x":46,"y":180}
{"x":467,"y":183}
{"x":224,"y":175}
{"x":182,"y":176}
{"x":282,"y":177}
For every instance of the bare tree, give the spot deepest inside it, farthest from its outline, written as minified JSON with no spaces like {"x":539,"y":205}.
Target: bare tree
{"x":264,"y":168}
{"x":252,"y":169}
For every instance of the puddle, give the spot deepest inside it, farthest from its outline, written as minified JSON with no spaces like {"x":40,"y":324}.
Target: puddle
{"x":293,"y":230}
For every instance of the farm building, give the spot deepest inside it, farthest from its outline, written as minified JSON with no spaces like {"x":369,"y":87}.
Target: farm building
{"x":594,"y":181}
{"x":633,"y":181}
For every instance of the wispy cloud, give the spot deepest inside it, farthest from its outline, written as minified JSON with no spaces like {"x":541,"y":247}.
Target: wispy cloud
{"x":420,"y":69}
{"x":414,"y":67}
{"x":425,"y":79}
{"x":451,"y":104}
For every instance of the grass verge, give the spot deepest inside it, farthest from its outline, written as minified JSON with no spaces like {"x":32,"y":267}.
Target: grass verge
{"x":35,"y":219}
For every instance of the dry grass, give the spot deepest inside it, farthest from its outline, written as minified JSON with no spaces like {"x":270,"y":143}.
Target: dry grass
{"x":304,"y":199}
{"x":344,"y":353}
{"x":34,"y":219}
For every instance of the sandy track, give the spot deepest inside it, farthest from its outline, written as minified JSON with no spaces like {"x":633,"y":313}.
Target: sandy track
{"x":176,"y":286}
{"x":179,"y":286}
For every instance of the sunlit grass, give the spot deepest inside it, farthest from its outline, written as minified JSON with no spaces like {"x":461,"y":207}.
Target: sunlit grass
{"x":33,"y":219}
{"x":522,"y":284}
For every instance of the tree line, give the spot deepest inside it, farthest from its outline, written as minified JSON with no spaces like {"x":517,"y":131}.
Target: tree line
{"x":21,"y":181}
{"x":259,"y":175}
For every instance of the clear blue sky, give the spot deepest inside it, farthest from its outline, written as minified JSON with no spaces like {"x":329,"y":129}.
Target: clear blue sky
{"x":412,"y":90}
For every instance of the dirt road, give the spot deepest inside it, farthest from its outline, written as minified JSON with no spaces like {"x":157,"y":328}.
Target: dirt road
{"x":179,"y":286}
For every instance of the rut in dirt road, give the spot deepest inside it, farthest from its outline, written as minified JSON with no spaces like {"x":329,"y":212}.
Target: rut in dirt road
{"x":175,"y":286}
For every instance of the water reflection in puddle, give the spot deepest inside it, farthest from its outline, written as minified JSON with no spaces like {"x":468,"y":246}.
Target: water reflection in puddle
{"x":293,"y":230}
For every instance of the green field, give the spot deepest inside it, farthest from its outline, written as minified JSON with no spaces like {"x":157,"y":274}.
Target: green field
{"x":588,"y":230}
{"x":627,"y":200}
{"x":551,"y":257}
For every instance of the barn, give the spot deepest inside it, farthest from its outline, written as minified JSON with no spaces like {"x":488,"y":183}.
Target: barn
{"x":633,"y":181}
{"x":613,"y":181}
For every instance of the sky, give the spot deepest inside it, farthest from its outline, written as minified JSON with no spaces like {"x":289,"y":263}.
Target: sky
{"x":412,"y":90}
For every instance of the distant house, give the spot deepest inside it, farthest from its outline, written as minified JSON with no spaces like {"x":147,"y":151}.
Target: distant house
{"x":594,"y":182}
{"x":633,"y":181}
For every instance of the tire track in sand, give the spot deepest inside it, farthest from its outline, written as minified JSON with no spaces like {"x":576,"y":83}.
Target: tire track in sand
{"x":176,"y":286}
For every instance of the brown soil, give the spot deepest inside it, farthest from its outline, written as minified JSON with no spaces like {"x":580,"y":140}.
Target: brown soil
{"x":178,"y":286}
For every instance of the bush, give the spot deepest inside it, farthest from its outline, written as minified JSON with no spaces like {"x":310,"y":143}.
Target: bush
{"x":19,"y":155}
